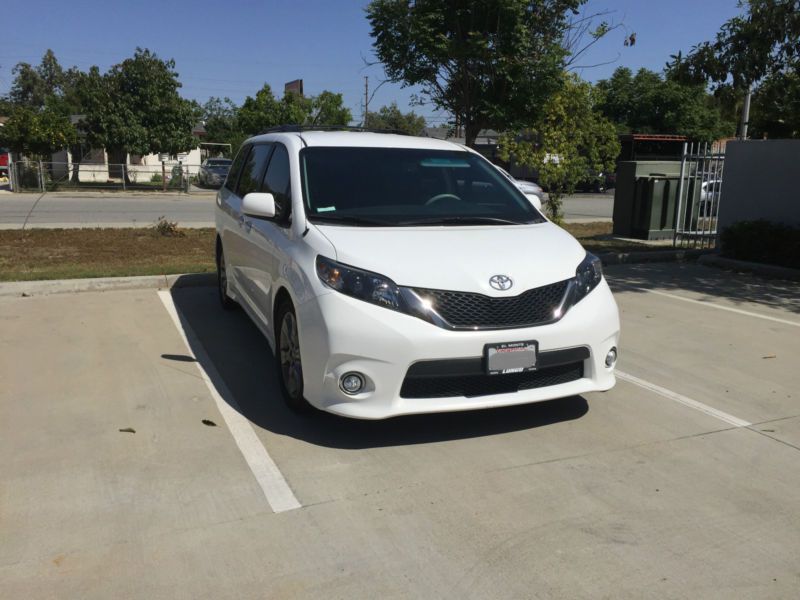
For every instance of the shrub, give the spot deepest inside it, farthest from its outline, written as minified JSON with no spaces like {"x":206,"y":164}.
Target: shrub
{"x":763,"y":241}
{"x":165,"y":228}
{"x":156,"y":178}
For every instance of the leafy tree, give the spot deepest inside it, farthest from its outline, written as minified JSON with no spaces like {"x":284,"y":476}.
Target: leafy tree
{"x":259,"y":112}
{"x":648,"y":103}
{"x":763,"y":41}
{"x":263,"y":111}
{"x":328,"y":109}
{"x":490,"y":64}
{"x":32,"y":86}
{"x":136,"y":108}
{"x":760,"y":46}
{"x":390,"y":117}
{"x":36,"y":132}
{"x":220,"y":118}
{"x":569,"y":143}
{"x":775,"y":110}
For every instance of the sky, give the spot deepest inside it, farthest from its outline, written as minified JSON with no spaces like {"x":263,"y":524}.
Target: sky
{"x":232,"y":47}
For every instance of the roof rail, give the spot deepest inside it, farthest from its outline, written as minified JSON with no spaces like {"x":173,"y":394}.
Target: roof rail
{"x":300,"y":128}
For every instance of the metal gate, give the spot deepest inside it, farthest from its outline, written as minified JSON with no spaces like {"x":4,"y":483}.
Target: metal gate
{"x":699,"y":195}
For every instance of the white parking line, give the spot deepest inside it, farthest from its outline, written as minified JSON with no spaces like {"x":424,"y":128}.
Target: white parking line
{"x":710,"y":304}
{"x":277,"y":491}
{"x":704,"y":408}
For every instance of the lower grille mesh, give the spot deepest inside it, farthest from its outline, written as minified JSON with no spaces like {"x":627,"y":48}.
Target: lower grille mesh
{"x":486,"y":385}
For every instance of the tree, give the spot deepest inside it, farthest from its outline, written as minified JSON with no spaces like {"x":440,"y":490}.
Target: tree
{"x":32,"y":86}
{"x":490,"y":64}
{"x":649,"y":103}
{"x":761,"y":45}
{"x":328,"y":109}
{"x":36,"y":132}
{"x":263,"y":111}
{"x":220,"y":119}
{"x":390,"y":117}
{"x":136,"y":108}
{"x":776,"y":107}
{"x":570,"y":142}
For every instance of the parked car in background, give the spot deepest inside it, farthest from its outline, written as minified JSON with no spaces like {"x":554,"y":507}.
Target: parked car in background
{"x":213,"y":171}
{"x":5,"y":165}
{"x":530,"y":189}
{"x":396,"y":275}
{"x":710,"y":192}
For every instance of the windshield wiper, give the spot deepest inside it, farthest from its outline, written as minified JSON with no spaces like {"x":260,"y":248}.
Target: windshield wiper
{"x":463,"y":220}
{"x":348,"y":220}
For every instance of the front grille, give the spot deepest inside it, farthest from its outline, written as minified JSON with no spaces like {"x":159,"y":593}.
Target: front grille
{"x":466,"y":310}
{"x":486,"y":385}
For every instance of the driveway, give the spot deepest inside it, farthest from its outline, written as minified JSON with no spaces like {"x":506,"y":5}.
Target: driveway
{"x":681,"y":482}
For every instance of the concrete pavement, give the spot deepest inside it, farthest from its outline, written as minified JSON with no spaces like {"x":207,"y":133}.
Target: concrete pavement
{"x":62,"y":210}
{"x":627,"y":494}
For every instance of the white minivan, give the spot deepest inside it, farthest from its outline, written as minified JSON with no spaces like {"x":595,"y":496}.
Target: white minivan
{"x":396,"y":275}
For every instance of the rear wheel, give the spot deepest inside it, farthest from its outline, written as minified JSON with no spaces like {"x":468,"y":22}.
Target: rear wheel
{"x":289,"y":361}
{"x":222,"y":281}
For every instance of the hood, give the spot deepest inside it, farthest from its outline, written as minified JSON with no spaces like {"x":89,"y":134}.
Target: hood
{"x":460,"y":258}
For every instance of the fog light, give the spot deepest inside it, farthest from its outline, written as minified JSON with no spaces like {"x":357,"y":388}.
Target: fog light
{"x":351,"y":383}
{"x":611,"y":357}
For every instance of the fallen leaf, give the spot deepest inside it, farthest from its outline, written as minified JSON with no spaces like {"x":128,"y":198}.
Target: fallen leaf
{"x":770,"y":356}
{"x":127,"y":430}
{"x":209,"y":423}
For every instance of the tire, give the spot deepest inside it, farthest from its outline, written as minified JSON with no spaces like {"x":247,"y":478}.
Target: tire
{"x":288,"y":359}
{"x":222,"y":281}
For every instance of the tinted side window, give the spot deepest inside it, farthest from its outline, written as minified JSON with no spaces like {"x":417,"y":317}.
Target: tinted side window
{"x":236,"y":168}
{"x":276,"y":181}
{"x":253,"y":170}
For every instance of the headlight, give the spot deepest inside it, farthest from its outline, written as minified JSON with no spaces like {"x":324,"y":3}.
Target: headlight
{"x":588,"y":274}
{"x":364,"y":285}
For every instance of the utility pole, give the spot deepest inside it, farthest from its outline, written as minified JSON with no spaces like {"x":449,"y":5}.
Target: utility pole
{"x":746,"y":112}
{"x":366,"y":99}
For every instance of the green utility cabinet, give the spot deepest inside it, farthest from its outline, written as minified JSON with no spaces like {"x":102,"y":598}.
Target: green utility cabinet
{"x":645,"y":199}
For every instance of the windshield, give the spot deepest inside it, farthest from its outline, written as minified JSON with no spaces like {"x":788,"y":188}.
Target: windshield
{"x":219,"y":162}
{"x":406,"y":187}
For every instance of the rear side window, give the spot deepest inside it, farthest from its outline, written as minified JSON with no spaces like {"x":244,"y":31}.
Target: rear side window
{"x":253,"y":170}
{"x":236,"y":168}
{"x":276,"y":181}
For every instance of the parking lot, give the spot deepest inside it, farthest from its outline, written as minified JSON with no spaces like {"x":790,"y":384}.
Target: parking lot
{"x":145,"y":452}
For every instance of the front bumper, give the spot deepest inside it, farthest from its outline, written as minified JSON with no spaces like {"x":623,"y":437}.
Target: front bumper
{"x":339,"y":334}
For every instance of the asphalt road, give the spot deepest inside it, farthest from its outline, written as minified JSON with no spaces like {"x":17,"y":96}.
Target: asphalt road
{"x":193,"y":210}
{"x":687,"y":487}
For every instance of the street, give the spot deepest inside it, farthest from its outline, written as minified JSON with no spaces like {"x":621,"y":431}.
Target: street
{"x":137,"y":466}
{"x":193,"y":210}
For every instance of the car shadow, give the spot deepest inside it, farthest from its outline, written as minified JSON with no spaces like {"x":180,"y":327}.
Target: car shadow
{"x":241,"y":365}
{"x":711,"y":283}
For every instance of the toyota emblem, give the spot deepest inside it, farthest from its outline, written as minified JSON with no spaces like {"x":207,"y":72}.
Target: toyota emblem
{"x":501,"y":282}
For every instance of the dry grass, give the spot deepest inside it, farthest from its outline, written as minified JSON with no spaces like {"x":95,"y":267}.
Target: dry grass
{"x":74,"y":253}
{"x":596,"y":238}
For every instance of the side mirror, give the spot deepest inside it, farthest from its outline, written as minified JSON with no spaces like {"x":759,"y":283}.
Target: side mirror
{"x":535,"y":200}
{"x":259,"y":205}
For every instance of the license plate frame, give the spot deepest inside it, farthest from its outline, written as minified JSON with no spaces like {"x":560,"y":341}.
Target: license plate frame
{"x":500,"y":359}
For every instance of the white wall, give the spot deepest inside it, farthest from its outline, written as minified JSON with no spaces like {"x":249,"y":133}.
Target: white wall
{"x":761,"y":181}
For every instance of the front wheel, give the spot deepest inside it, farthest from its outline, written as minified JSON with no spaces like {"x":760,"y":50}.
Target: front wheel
{"x":289,"y":361}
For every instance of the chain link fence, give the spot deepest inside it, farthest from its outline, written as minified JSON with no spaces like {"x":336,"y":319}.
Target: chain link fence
{"x":32,"y":176}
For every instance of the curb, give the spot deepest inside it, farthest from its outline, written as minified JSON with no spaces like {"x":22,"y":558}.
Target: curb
{"x":105,"y":284}
{"x":760,"y":269}
{"x":620,"y":258}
